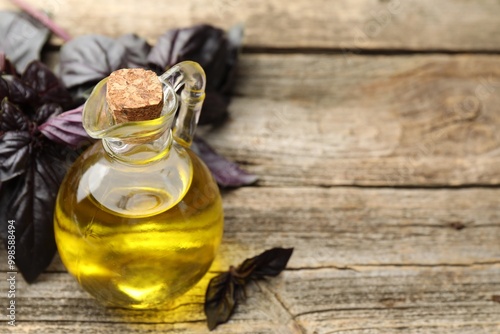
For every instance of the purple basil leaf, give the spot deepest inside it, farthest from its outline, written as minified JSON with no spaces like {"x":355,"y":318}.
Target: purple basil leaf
{"x":14,"y":154}
{"x":81,"y":93}
{"x":4,"y":89}
{"x":214,"y":108}
{"x":90,"y":58}
{"x":30,"y":202}
{"x":14,"y":141}
{"x":12,"y":118}
{"x":215,"y":51}
{"x":270,"y":263}
{"x":235,"y":42}
{"x":21,"y":38}
{"x":213,"y":56}
{"x":226,"y":289}
{"x":201,"y":43}
{"x":137,"y":50}
{"x":163,"y":54}
{"x":220,"y":299}
{"x":226,"y":173}
{"x":18,"y":91}
{"x":45,"y":111}
{"x":66,"y":128}
{"x":6,"y":66}
{"x":45,"y":83}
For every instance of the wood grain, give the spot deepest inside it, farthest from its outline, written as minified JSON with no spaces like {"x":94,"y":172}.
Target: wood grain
{"x":306,"y":301}
{"x":325,"y":120}
{"x":455,"y":25}
{"x":421,"y":120}
{"x":381,"y":170}
{"x":383,"y":260}
{"x":357,"y":228}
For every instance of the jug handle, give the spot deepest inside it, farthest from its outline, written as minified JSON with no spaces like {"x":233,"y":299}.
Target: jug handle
{"x":192,"y":76}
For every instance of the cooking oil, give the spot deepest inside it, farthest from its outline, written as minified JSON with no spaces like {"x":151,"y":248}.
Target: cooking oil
{"x":137,"y":245}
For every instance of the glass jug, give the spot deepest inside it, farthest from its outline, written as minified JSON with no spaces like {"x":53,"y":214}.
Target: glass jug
{"x":139,"y":217}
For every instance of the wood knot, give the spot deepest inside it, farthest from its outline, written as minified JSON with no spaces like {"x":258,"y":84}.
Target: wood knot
{"x":457,"y":225}
{"x":134,"y":95}
{"x":464,"y":108}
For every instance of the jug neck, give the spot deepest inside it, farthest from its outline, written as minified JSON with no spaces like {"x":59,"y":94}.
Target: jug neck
{"x":137,"y":140}
{"x":140,"y":151}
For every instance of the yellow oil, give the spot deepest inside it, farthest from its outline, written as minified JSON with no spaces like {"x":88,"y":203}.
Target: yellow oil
{"x":137,"y":261}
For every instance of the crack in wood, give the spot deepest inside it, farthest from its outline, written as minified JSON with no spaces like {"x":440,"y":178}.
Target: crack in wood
{"x":296,"y":325}
{"x":431,"y":265}
{"x":363,"y":51}
{"x":354,"y":267}
{"x":333,"y":309}
{"x":436,"y":186}
{"x":321,"y":267}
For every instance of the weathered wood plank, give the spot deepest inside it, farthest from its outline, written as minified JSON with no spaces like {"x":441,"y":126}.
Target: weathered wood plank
{"x":352,"y":227}
{"x":355,"y":227}
{"x":424,"y":120}
{"x":304,"y":301}
{"x":373,"y":121}
{"x":326,"y":120}
{"x":420,"y":260}
{"x":430,"y":301}
{"x":121,"y":328}
{"x":346,"y":24}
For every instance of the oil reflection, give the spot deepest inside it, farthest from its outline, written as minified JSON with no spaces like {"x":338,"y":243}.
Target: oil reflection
{"x":186,"y":309}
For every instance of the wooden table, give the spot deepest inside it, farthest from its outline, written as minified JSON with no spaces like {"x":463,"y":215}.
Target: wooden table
{"x":374,"y":127}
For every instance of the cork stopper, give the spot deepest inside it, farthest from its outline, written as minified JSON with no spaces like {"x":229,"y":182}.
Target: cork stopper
{"x":134,"y":95}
